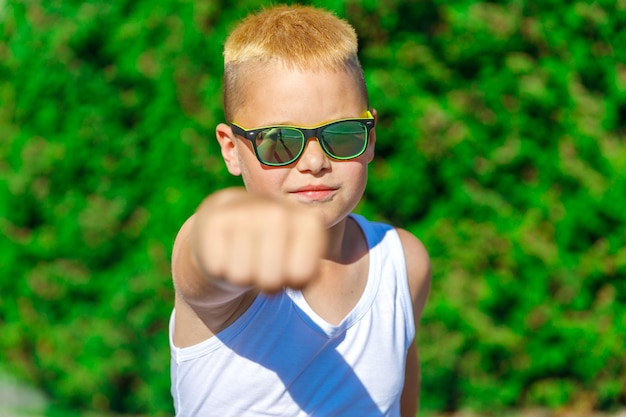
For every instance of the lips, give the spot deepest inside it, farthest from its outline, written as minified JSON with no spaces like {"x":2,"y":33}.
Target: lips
{"x":314,"y":192}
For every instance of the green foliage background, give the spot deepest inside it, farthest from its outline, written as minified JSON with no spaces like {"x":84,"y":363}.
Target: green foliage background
{"x":501,"y":144}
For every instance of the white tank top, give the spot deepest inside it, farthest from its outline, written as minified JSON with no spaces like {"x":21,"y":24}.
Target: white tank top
{"x":281,"y":359}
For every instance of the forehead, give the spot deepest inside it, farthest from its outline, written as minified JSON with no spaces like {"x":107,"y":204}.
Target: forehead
{"x":276,"y":94}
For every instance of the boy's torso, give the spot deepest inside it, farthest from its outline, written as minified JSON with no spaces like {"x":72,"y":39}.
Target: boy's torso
{"x":285,"y":357}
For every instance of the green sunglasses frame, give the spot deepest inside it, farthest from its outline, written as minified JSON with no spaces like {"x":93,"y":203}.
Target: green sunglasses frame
{"x":307,"y":133}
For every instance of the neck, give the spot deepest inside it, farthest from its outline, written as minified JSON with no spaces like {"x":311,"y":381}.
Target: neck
{"x":346,"y":242}
{"x":336,"y":236}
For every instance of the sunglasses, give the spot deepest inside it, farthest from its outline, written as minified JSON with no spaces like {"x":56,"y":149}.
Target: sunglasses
{"x":282,"y":145}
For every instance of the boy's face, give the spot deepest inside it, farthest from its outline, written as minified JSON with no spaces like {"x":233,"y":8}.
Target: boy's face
{"x":280,"y":96}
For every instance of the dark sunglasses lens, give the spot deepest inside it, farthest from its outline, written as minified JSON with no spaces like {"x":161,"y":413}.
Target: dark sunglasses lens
{"x":279,"y":146}
{"x":345,"y":140}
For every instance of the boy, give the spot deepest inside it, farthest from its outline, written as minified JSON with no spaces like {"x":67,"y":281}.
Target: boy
{"x":286,"y":303}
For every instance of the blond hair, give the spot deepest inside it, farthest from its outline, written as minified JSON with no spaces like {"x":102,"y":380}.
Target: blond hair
{"x":298,"y":37}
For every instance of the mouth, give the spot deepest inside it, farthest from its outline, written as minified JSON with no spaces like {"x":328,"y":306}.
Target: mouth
{"x":314,"y":193}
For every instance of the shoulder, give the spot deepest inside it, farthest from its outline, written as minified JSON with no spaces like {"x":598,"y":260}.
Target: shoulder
{"x":418,"y":269}
{"x":180,"y":262}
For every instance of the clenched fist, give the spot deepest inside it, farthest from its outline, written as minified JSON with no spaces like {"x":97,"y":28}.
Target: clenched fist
{"x":251,"y":240}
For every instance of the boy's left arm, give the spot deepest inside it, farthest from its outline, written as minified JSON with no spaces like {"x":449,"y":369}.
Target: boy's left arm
{"x":419,"y":277}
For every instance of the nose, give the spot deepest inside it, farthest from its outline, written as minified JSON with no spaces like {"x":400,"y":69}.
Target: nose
{"x":313,"y":159}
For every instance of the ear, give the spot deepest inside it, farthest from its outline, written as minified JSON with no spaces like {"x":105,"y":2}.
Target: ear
{"x":228,"y":145}
{"x":371,"y":146}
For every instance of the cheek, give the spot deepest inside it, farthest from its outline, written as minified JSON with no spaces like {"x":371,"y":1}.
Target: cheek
{"x":357,"y":175}
{"x":362,"y":180}
{"x":261,"y":180}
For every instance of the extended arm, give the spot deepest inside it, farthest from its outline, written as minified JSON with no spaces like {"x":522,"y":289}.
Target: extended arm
{"x":235,"y":245}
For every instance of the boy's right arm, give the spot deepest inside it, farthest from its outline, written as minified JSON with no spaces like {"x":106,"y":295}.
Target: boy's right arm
{"x":236,"y":244}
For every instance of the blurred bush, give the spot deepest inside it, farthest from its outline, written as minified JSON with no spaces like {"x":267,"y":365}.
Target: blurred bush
{"x":501,"y":144}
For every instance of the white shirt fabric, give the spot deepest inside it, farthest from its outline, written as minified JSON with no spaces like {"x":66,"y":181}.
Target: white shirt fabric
{"x":281,"y":359}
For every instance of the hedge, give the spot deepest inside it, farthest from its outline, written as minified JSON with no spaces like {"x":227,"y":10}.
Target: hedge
{"x":501,"y":144}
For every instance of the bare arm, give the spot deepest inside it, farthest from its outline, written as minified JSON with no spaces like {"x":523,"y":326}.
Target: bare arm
{"x":193,"y":282}
{"x":235,"y":245}
{"x":419,"y":277}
